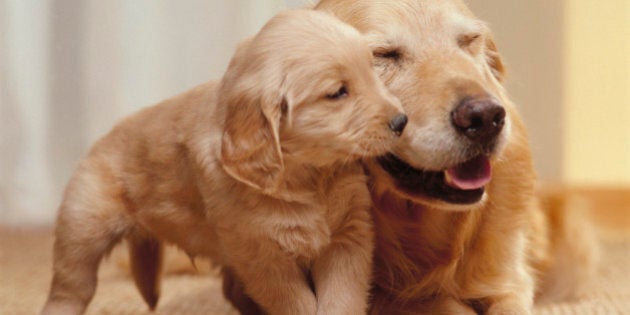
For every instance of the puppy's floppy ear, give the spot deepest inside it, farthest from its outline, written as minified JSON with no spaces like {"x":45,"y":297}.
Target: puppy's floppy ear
{"x":494,"y":59}
{"x":250,"y":147}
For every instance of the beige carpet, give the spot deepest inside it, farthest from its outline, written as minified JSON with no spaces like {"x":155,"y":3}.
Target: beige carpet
{"x":25,"y":271}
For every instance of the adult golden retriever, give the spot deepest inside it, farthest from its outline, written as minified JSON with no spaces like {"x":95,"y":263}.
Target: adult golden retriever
{"x":259,"y":172}
{"x":459,"y":229}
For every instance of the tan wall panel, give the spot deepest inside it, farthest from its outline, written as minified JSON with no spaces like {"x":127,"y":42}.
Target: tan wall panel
{"x":529,"y":36}
{"x":597,"y":86}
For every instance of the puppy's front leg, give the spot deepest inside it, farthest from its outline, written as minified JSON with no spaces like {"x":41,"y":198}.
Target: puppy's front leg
{"x":342,"y":273}
{"x":273,"y":279}
{"x":234,"y":291}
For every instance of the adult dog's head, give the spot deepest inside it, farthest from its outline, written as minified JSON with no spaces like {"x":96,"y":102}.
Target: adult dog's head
{"x":442,"y":63}
{"x":303,"y":92}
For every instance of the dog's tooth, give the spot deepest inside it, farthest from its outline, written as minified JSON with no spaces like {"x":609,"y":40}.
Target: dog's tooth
{"x":448,"y":179}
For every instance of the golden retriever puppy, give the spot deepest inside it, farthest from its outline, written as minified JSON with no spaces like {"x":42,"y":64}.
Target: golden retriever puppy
{"x":259,"y":172}
{"x":458,"y":227}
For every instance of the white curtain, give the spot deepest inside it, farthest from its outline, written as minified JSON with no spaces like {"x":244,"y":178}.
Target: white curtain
{"x":70,"y":69}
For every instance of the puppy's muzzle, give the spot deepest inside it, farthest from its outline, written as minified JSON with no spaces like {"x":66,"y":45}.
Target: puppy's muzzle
{"x":480,"y":119}
{"x":398,"y":123}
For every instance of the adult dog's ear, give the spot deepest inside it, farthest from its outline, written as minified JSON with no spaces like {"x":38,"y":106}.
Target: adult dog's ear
{"x":250,"y":147}
{"x":494,"y":59}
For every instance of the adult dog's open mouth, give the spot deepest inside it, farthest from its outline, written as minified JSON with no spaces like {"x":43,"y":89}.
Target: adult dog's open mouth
{"x":463,"y":183}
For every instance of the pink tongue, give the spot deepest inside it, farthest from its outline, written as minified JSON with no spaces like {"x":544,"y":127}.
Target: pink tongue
{"x":470,"y":175}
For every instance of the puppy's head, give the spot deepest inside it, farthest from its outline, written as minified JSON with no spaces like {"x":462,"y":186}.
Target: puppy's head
{"x":441,"y":62}
{"x":303,"y":91}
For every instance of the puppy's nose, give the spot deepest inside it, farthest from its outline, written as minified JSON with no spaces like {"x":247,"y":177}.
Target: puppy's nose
{"x":479,"y":119}
{"x":398,"y":123}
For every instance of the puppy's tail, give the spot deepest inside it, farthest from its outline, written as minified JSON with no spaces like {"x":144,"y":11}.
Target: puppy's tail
{"x":573,"y":244}
{"x":145,"y":256}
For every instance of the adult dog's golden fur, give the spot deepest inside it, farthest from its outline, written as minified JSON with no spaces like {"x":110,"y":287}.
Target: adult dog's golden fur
{"x":259,"y":172}
{"x":437,"y":249}
{"x":452,"y":246}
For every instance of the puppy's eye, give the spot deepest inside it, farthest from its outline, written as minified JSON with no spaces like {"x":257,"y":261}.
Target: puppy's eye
{"x":391,"y":54}
{"x":341,"y":93}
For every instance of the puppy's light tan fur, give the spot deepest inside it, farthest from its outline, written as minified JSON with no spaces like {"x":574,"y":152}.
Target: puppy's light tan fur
{"x":431,"y":256}
{"x":259,"y":172}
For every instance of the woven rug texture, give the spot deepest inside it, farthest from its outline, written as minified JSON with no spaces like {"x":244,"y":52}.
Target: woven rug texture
{"x":25,"y":273}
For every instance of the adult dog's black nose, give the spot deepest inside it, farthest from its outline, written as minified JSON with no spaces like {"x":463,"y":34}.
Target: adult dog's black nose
{"x":479,"y":119}
{"x":398,"y":123}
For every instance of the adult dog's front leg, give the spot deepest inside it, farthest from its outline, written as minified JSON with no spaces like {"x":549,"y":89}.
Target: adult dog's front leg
{"x":517,"y":296}
{"x":342,"y":273}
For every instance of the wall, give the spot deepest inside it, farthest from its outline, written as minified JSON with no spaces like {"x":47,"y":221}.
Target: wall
{"x":530,"y":37}
{"x":570,"y":65}
{"x":597,"y":92}
{"x":70,"y":69}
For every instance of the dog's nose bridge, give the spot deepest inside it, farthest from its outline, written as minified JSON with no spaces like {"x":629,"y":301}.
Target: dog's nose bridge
{"x":452,"y":78}
{"x":468,"y":88}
